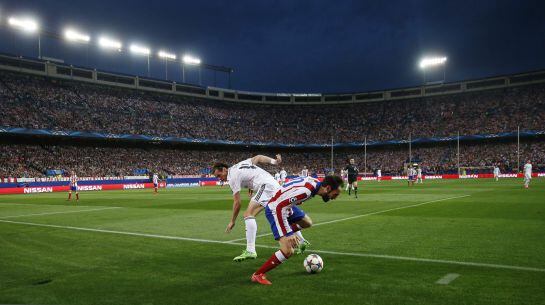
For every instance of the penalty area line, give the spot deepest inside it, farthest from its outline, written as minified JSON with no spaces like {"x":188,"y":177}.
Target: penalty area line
{"x":60,"y":212}
{"x":379,"y":256}
{"x":365,"y":215}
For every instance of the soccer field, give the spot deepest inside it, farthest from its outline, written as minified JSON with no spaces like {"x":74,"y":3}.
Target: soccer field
{"x":443,"y":242}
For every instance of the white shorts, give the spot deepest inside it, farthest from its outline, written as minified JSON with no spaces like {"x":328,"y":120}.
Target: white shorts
{"x":264,"y":194}
{"x":527,"y":177}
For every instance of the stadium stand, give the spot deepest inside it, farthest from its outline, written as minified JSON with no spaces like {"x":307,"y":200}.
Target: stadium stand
{"x":56,"y":106}
{"x":40,"y":103}
{"x":23,"y":160}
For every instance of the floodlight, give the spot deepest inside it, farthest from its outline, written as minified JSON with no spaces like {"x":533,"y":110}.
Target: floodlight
{"x":24,"y":23}
{"x":432,"y":61}
{"x":73,"y":35}
{"x":109,"y":43}
{"x":190,"y":60}
{"x":166,"y":55}
{"x":139,"y":49}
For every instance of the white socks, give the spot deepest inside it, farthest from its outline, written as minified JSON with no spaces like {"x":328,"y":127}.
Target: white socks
{"x":251,"y":232}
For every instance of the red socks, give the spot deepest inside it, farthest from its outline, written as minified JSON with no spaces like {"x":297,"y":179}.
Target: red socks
{"x":276,"y":259}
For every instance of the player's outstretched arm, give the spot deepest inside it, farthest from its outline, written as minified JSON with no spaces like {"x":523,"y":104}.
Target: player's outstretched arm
{"x":261,"y":159}
{"x":236,"y":210}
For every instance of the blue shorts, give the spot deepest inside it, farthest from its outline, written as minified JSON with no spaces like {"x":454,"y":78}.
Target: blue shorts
{"x":74,"y":188}
{"x":296,"y":215}
{"x":155,"y":184}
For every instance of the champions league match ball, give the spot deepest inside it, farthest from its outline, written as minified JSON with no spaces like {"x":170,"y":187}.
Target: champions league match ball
{"x":313,"y":263}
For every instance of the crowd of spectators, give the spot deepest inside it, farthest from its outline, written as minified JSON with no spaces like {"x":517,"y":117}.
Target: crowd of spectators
{"x":37,"y":102}
{"x":18,"y":160}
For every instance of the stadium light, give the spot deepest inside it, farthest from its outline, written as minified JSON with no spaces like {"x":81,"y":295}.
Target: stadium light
{"x":29,"y":25}
{"x":109,"y":43}
{"x":139,"y":49}
{"x":166,"y":55}
{"x":24,"y":23}
{"x":190,"y":60}
{"x":432,"y":62}
{"x":73,"y":35}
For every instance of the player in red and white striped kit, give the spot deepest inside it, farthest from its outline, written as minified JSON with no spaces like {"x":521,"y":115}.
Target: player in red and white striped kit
{"x":73,"y":187}
{"x":286,"y":218}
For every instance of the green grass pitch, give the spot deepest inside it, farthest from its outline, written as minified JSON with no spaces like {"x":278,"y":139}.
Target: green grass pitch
{"x":131,"y":247}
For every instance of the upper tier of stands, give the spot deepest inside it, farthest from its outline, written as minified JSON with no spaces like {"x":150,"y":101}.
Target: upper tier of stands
{"x":38,"y":102}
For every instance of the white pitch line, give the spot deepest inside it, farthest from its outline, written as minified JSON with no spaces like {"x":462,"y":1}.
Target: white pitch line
{"x":445,"y":280}
{"x":381,"y":256}
{"x":6,"y":204}
{"x":119,"y":232}
{"x":365,"y":215}
{"x":61,"y":212}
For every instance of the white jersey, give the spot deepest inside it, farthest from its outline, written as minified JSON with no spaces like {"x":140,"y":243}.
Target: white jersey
{"x":283,"y":175}
{"x":528,"y":170}
{"x":155,"y":179}
{"x":379,"y":173}
{"x":496,"y":171}
{"x":245,"y":174}
{"x":304,"y":173}
{"x":419,"y":172}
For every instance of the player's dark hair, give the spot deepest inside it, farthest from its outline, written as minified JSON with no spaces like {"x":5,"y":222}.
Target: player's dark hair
{"x":219,"y":166}
{"x":333,"y":181}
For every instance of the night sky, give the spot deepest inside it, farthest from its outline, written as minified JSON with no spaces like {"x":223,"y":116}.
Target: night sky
{"x":297,"y":46}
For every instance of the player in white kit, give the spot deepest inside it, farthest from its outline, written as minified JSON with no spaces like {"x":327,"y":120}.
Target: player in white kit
{"x":283,"y":176}
{"x":496,"y":172}
{"x":247,"y":174}
{"x":304,"y":172}
{"x":527,"y":174}
{"x":344,"y":177}
{"x":419,"y":175}
{"x":277,"y":177}
{"x":410,"y":175}
{"x":379,"y":175}
{"x":155,"y":183}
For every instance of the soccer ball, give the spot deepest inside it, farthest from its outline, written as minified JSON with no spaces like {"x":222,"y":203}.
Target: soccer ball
{"x":313,"y":263}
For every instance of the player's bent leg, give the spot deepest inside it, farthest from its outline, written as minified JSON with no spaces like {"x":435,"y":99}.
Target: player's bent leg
{"x":304,"y":223}
{"x":298,"y":221}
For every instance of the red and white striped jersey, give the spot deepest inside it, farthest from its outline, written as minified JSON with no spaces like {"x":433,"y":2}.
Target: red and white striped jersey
{"x":74,"y":180}
{"x":295,"y":192}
